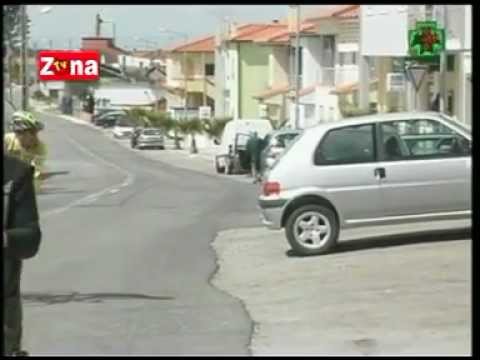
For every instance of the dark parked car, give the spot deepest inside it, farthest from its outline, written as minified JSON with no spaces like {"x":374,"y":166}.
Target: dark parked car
{"x":109,"y":119}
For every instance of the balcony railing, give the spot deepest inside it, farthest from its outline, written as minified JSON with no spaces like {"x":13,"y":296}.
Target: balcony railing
{"x":332,"y":76}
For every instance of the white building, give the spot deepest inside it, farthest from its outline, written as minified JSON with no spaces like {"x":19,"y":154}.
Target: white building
{"x":390,"y":52}
{"x":124,"y":98}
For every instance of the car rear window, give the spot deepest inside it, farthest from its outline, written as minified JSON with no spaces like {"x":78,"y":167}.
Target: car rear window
{"x":152,"y":132}
{"x":349,"y":145}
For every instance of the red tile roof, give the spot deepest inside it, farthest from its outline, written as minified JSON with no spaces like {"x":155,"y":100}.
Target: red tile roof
{"x":252,"y":32}
{"x":204,"y":44}
{"x":351,"y":12}
{"x":283,"y":35}
{"x":349,"y":87}
{"x":341,"y":11}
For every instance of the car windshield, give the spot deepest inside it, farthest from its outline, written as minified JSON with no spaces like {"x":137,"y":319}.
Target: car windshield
{"x":456,"y":124}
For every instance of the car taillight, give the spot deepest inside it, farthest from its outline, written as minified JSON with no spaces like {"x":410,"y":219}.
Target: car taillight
{"x":271,"y":188}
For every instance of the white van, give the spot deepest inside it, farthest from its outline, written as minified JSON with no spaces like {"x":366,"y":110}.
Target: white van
{"x":234,"y":141}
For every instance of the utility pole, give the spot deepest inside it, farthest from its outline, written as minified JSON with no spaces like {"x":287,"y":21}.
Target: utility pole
{"x":443,"y":65}
{"x":185,"y":100}
{"x":98,"y":22}
{"x":297,"y":70}
{"x":23,"y":16}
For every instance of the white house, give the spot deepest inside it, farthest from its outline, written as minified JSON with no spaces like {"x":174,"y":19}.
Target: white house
{"x":391,"y":53}
{"x":328,"y":59}
{"x":141,"y":59}
{"x":122,"y":98}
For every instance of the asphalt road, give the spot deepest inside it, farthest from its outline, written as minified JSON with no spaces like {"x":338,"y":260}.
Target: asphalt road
{"x":126,"y":259}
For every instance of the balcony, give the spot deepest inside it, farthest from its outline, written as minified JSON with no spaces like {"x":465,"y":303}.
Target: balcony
{"x":332,"y":76}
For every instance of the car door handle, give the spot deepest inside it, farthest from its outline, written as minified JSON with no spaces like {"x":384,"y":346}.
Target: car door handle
{"x":380,"y":173}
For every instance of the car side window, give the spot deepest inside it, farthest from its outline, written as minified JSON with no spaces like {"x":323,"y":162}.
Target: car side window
{"x":420,"y":139}
{"x":348,"y":145}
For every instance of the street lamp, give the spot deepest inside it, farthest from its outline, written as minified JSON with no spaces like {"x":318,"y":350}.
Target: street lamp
{"x":23,"y":22}
{"x":297,"y":66}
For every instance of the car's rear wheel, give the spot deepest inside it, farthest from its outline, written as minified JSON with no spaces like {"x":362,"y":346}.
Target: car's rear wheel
{"x":312,"y":230}
{"x":229,"y":167}
{"x":220,"y":169}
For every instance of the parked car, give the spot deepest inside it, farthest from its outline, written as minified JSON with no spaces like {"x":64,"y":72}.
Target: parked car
{"x":275,"y":144}
{"x":148,"y":138}
{"x":123,"y":128}
{"x":100,"y":112}
{"x":232,"y":155}
{"x":363,"y":172}
{"x":109,"y":118}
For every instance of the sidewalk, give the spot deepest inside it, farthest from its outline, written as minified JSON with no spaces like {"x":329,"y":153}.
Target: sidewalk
{"x":389,"y":295}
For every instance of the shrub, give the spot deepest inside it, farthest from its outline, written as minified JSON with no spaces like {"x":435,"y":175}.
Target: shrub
{"x":214,"y":127}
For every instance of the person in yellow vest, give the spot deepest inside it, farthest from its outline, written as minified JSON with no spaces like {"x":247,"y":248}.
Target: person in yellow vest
{"x":23,"y":143}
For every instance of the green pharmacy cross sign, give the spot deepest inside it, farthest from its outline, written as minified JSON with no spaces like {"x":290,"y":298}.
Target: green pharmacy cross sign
{"x":426,"y":41}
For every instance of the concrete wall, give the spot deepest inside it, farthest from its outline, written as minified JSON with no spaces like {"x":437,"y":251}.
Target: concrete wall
{"x":232,"y":81}
{"x":253,"y":77}
{"x":312,"y":54}
{"x":280,"y":71}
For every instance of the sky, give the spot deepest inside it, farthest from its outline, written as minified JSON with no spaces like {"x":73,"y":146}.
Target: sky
{"x":137,"y":23}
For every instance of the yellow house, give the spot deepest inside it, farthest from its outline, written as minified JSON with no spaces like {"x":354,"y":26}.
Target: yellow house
{"x":191,"y":70}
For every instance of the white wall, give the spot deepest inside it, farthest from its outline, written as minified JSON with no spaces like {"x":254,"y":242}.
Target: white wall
{"x":173,"y":71}
{"x":312,"y":53}
{"x":232,"y":80}
{"x":389,"y":20}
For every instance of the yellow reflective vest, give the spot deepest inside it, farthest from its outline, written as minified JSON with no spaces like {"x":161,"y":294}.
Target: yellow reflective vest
{"x":34,"y":156}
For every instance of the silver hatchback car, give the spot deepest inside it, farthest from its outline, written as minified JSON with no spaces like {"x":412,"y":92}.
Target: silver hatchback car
{"x":382,"y":169}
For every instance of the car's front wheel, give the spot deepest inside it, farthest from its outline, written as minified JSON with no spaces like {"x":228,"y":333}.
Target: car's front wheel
{"x":312,"y":230}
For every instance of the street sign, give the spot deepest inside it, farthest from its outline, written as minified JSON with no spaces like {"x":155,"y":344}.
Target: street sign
{"x":396,"y":81}
{"x":204,"y":112}
{"x":426,"y":41}
{"x":416,"y":74}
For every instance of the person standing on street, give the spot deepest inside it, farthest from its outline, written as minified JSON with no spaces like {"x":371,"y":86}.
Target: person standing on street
{"x":252,"y":149}
{"x":21,"y":240}
{"x":24,"y":143}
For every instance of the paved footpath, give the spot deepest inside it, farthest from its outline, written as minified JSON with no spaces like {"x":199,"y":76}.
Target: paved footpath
{"x":389,"y":295}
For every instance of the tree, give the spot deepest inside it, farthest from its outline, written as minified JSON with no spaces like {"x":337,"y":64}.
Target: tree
{"x":161,"y":120}
{"x":138,"y":116}
{"x":11,"y":25}
{"x":191,"y":127}
{"x":214,"y":127}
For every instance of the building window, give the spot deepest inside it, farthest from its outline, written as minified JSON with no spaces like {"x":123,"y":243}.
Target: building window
{"x":429,"y":12}
{"x":347,"y":58}
{"x":209,"y":69}
{"x":348,"y":145}
{"x":398,"y":65}
{"x":300,"y":61}
{"x":450,"y":102}
{"x":450,"y":62}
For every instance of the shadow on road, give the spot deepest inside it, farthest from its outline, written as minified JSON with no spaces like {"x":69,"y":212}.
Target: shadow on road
{"x":51,"y":298}
{"x":58,"y":191}
{"x":385,"y":241}
{"x":48,"y":175}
